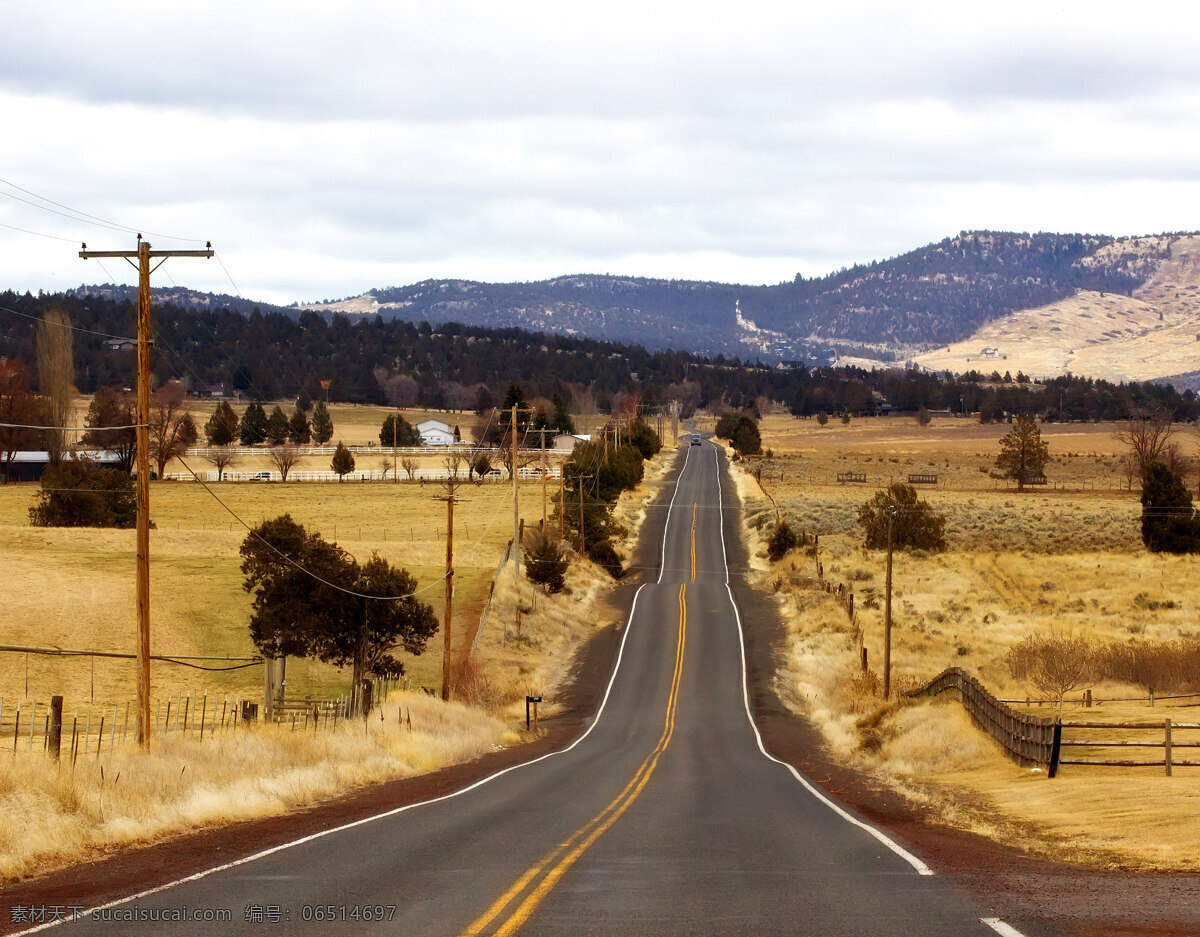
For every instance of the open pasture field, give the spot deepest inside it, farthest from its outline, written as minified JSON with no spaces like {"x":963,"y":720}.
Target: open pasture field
{"x":960,"y":450}
{"x":1041,"y":561}
{"x":75,"y":587}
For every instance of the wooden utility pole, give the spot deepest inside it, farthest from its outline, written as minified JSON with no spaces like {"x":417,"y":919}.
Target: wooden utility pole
{"x":562,"y":503}
{"x":449,"y":498}
{"x":516,"y":505}
{"x":144,"y":255}
{"x":395,"y":446}
{"x":543,"y":478}
{"x":887,"y":613}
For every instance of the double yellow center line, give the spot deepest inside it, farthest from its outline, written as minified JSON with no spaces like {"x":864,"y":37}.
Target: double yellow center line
{"x":539,"y":880}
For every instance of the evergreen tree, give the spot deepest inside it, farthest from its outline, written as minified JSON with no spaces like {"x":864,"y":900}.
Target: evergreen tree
{"x":277,"y":427}
{"x":746,"y":438}
{"x":299,"y":431}
{"x":343,"y":461}
{"x":297,"y":615}
{"x":1169,"y":523}
{"x":397,"y":431}
{"x":561,"y":420}
{"x":253,"y":428}
{"x":322,"y":423}
{"x":915,"y":524}
{"x":1023,"y":452}
{"x":222,"y":427}
{"x":304,"y":401}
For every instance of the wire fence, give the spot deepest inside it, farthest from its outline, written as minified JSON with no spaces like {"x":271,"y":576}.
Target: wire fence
{"x":28,"y":725}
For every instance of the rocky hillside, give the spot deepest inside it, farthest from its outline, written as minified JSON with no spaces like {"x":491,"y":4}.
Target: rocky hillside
{"x":939,"y":293}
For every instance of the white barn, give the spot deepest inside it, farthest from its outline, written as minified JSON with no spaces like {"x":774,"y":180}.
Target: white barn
{"x":436,"y":433}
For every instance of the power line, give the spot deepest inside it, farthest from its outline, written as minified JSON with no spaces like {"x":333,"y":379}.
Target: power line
{"x":64,"y":325}
{"x":79,"y":429}
{"x":53,"y":237}
{"x":84,"y":215}
{"x":292,"y":562}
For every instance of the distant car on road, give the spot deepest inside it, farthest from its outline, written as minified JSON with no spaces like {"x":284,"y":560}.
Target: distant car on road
{"x":695,"y":439}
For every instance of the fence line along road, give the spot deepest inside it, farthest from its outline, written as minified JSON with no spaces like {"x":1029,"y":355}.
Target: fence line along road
{"x":371,"y":475}
{"x":1028,"y":740}
{"x":1039,"y":739}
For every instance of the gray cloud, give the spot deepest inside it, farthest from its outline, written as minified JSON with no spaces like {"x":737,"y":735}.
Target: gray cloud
{"x":326,"y":150}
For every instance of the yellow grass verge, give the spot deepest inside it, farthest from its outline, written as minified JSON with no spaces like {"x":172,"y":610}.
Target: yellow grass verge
{"x":1071,"y":563}
{"x":52,"y":814}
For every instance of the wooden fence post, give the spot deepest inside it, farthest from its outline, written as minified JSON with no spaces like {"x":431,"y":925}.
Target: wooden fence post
{"x":54,"y":743}
{"x":1055,"y":748}
{"x":1167,"y":745}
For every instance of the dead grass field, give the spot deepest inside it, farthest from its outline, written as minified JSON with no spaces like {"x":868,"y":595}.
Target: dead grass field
{"x":77,"y":586}
{"x":1017,"y":564}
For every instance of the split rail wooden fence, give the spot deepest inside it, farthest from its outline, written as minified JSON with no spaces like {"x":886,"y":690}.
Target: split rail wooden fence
{"x":1039,"y":740}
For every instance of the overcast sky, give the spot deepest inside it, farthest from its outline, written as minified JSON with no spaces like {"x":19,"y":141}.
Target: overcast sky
{"x":326,"y":148}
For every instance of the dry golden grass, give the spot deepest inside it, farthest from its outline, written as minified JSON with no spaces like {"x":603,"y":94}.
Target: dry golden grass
{"x":1017,"y":564}
{"x":197,"y":602}
{"x":54,"y":814}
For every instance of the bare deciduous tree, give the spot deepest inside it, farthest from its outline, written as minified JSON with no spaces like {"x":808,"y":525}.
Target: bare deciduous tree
{"x":409,"y":464}
{"x":222,"y":457}
{"x":455,"y":463}
{"x":385,"y":464}
{"x":1054,"y":664}
{"x":56,"y":377}
{"x":284,"y":458}
{"x":1147,"y":433}
{"x":172,"y":429}
{"x":17,"y":406}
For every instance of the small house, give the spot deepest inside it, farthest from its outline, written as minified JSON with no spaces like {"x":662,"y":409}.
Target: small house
{"x":566,"y":442}
{"x":206,"y":391}
{"x":436,"y":433}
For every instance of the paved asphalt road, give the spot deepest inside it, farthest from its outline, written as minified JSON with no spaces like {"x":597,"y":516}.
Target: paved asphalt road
{"x":664,"y":818}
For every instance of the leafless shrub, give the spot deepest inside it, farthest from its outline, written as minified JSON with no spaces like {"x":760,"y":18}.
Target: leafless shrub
{"x":1054,"y":664}
{"x":1159,"y":666}
{"x":284,"y":458}
{"x":409,"y":464}
{"x":222,"y":457}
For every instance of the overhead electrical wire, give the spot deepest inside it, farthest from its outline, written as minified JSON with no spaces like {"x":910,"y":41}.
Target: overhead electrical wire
{"x":77,"y":215}
{"x":53,"y":237}
{"x":332,"y":585}
{"x":73,"y":328}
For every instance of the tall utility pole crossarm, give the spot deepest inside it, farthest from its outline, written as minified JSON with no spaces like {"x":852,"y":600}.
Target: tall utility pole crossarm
{"x":144,"y":255}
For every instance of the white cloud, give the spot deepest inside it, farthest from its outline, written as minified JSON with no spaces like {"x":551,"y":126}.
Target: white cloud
{"x":328,"y":150}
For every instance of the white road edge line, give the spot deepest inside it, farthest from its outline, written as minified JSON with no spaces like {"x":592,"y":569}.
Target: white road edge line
{"x":1004,"y":930}
{"x":83,"y":915}
{"x":899,"y":850}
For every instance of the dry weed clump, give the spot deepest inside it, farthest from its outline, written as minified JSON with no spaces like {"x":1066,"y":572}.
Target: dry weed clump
{"x":54,"y":814}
